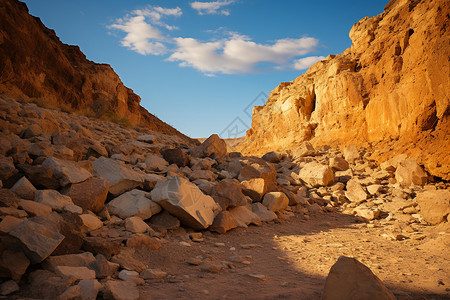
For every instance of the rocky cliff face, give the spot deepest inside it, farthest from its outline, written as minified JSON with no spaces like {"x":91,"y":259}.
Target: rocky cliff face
{"x":36,"y":66}
{"x":388,"y":92}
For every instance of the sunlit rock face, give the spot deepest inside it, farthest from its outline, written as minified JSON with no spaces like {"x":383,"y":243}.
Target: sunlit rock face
{"x":389,"y":91}
{"x":36,"y":66}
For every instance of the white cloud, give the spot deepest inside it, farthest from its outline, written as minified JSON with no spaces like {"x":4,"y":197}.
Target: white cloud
{"x":142,"y":36}
{"x":211,"y":8}
{"x":238,"y":54}
{"x":305,"y":63}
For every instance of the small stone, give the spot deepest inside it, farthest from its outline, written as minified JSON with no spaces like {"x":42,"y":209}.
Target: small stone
{"x":78,"y":272}
{"x":263,"y":213}
{"x":8,"y":287}
{"x":128,"y":275}
{"x":24,"y":189}
{"x":74,"y":209}
{"x":258,"y":276}
{"x":244,"y":216}
{"x":355,"y":192}
{"x":194,"y":261}
{"x":374,"y":189}
{"x":338,"y":164}
{"x":136,"y":225}
{"x":212,"y":267}
{"x":153,"y":274}
{"x":90,"y":222}
{"x":141,"y":240}
{"x":102,"y":267}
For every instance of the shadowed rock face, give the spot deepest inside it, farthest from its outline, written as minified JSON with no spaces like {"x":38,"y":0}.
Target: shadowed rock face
{"x":389,"y":89}
{"x":36,"y":66}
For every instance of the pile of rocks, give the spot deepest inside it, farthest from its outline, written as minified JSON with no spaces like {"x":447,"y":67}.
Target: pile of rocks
{"x":80,"y":196}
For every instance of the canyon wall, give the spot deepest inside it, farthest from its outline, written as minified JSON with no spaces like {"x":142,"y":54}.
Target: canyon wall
{"x":389,"y":92}
{"x":36,"y":66}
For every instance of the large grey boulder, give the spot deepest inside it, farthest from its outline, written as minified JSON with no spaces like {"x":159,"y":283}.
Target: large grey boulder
{"x":121,"y":177}
{"x":186,"y":201}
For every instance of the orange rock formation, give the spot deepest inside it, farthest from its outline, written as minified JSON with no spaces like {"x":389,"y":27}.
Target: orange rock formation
{"x":389,"y":92}
{"x":36,"y":66}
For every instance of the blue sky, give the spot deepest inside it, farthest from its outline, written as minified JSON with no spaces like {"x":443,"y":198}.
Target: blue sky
{"x":201,"y":65}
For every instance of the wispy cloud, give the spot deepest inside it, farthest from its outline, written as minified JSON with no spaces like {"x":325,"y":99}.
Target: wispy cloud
{"x":306,"y":62}
{"x":212,"y":7}
{"x":238,"y":53}
{"x":142,"y":34}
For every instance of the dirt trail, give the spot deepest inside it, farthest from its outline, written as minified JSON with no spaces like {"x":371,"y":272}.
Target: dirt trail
{"x":293,"y":257}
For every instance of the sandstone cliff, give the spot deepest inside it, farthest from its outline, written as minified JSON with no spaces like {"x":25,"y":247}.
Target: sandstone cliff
{"x":36,"y":66}
{"x":388,"y":92}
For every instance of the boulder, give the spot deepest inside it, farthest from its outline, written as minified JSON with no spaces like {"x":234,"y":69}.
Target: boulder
{"x":9,"y":223}
{"x":90,"y":194}
{"x":15,"y":262}
{"x":409,"y":172}
{"x":355,"y":192}
{"x":275,"y":201}
{"x":70,"y":260}
{"x":305,"y":149}
{"x":272,"y":156}
{"x":153,"y":274}
{"x":244,"y":216}
{"x":136,"y":225}
{"x":338,"y":164}
{"x":254,"y":188}
{"x":8,"y":287}
{"x":155,"y":163}
{"x":39,"y":241}
{"x":53,"y":199}
{"x":223,"y":222}
{"x":350,"y":279}
{"x":165,"y":220}
{"x":90,"y":222}
{"x":66,"y":171}
{"x":316,"y":174}
{"x":263,"y":213}
{"x":7,"y":168}
{"x":86,"y":289}
{"x":176,"y":156}
{"x":213,"y":147}
{"x":120,"y":177}
{"x":134,"y":203}
{"x":202,"y":174}
{"x":186,"y":201}
{"x":47,"y":285}
{"x":253,"y":167}
{"x":147,"y":138}
{"x":351,"y":153}
{"x":434,"y":205}
{"x":228,"y":193}
{"x":120,"y":290}
{"x":24,"y":189}
{"x":102,"y":267}
{"x":79,"y":273}
{"x":40,"y":176}
{"x":34,"y":208}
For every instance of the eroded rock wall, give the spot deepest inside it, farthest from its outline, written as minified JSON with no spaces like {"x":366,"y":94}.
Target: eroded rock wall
{"x":389,"y":91}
